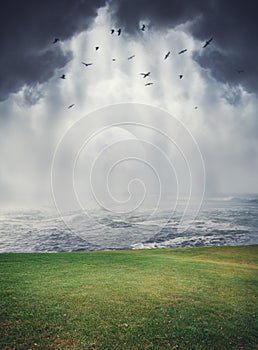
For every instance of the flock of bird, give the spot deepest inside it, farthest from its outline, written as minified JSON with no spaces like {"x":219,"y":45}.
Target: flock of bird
{"x":144,"y":75}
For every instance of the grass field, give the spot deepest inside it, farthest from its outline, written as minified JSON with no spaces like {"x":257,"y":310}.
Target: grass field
{"x":188,"y":298}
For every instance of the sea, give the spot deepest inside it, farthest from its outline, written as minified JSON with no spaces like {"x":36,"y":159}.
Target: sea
{"x":221,"y":221}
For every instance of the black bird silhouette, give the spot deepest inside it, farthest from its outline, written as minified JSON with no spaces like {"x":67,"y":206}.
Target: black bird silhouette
{"x":96,"y":48}
{"x":166,"y":56}
{"x":240,"y":71}
{"x":145,"y":75}
{"x":55,"y":40}
{"x":112,"y":31}
{"x":195,"y":107}
{"x":119,"y":31}
{"x":207,"y":42}
{"x":143,"y":27}
{"x":182,"y":51}
{"x":113,"y":59}
{"x":87,"y":64}
{"x":62,"y":76}
{"x":181,"y":76}
{"x":131,"y":57}
{"x":148,"y":84}
{"x":70,"y":106}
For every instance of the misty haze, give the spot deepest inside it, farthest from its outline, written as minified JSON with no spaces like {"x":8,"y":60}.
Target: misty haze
{"x":128,"y":175}
{"x":121,"y":131}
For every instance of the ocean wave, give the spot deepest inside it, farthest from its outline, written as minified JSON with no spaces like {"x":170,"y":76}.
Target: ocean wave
{"x":249,"y":199}
{"x":193,"y":241}
{"x":228,"y":222}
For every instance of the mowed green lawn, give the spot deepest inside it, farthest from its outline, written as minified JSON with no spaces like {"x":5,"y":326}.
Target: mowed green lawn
{"x":188,"y":298}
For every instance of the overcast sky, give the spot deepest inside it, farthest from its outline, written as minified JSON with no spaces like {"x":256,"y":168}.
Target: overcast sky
{"x":220,"y":80}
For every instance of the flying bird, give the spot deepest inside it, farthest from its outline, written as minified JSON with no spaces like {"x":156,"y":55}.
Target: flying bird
{"x":145,"y":75}
{"x":55,"y":40}
{"x":87,"y":64}
{"x":96,"y":48}
{"x":240,"y":71}
{"x":112,"y":31}
{"x":62,"y":76}
{"x":207,"y":42}
{"x":181,"y":76}
{"x":113,"y":59}
{"x":148,"y":84}
{"x":119,"y":31}
{"x":143,"y":27}
{"x":70,"y":106}
{"x":182,"y":51}
{"x":195,"y":107}
{"x":166,"y":56}
{"x":131,"y":57}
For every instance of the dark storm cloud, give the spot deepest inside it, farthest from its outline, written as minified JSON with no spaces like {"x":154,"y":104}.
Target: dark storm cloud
{"x":161,"y":13}
{"x":232,"y":24}
{"x":27,"y":30}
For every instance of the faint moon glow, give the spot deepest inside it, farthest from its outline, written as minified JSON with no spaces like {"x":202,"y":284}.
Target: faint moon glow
{"x":125,"y":158}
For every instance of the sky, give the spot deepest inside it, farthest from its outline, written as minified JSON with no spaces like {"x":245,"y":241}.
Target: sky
{"x":215,"y":100}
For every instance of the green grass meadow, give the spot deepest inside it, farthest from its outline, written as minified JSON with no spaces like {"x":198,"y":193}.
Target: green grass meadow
{"x":186,"y":298}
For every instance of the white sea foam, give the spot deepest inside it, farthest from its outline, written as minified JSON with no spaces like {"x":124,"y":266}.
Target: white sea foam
{"x":228,"y":222}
